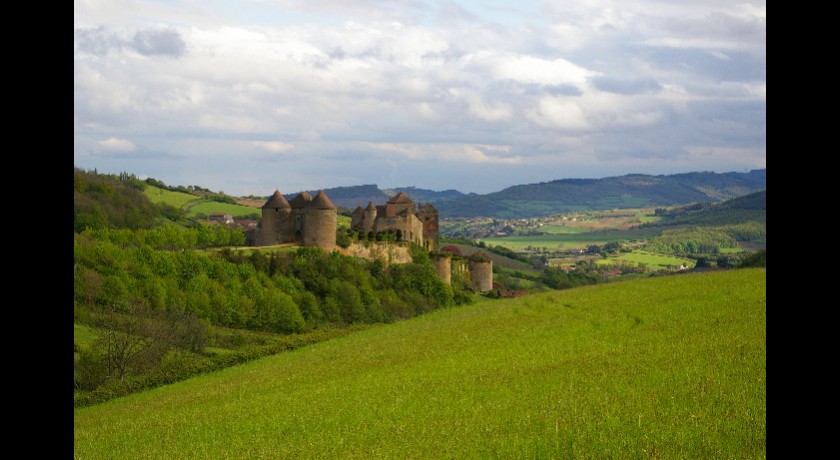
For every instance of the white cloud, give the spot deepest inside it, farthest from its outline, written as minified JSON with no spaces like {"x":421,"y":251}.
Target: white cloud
{"x":121,"y":145}
{"x":451,"y":153}
{"x":479,"y":108}
{"x":273,"y":146}
{"x":558,"y":112}
{"x":553,"y":82}
{"x":530,"y":69}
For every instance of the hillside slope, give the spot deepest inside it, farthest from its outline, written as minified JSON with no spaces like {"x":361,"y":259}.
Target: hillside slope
{"x":674,"y":366}
{"x":629,"y":191}
{"x":752,"y":207}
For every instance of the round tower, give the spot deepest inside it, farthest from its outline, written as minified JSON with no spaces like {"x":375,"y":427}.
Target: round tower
{"x":274,"y":225}
{"x":430,"y":218}
{"x":356,"y":219}
{"x":481,"y":272}
{"x":320,"y":223}
{"x":369,"y":217}
{"x":443,"y":266}
{"x":299,"y":205}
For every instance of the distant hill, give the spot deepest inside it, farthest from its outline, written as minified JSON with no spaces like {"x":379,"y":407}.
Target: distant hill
{"x":629,"y":191}
{"x":520,"y":201}
{"x":360,"y":195}
{"x":425,"y":195}
{"x":752,"y":207}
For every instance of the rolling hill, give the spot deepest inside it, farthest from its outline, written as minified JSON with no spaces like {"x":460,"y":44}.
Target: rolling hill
{"x":751,"y":207}
{"x":565,"y":195}
{"x":629,"y":191}
{"x":670,"y":367}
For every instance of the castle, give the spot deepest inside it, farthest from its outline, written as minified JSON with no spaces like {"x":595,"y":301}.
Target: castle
{"x":313,"y":221}
{"x":399,"y":216}
{"x":304,"y":220}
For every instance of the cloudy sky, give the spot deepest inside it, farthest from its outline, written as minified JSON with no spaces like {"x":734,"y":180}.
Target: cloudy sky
{"x":249,"y":96}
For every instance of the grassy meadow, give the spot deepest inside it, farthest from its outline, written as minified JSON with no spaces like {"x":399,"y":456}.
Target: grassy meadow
{"x":662,"y":367}
{"x":651,"y":260}
{"x":195,"y":204}
{"x":570,"y":239}
{"x":159,"y":195}
{"x":211,"y":207}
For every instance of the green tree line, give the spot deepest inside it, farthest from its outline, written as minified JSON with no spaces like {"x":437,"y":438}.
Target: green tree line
{"x":275,"y":292}
{"x":103,"y":201}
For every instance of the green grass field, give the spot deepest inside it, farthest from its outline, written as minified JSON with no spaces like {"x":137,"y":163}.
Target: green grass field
{"x":177,"y":199}
{"x":651,"y":260}
{"x":561,"y":241}
{"x":665,"y":367}
{"x":195,"y":204}
{"x":210,"y":207}
{"x":563,"y":229}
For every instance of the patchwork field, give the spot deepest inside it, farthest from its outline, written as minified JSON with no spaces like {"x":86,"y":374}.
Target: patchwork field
{"x":664,"y":367}
{"x":569,"y":240}
{"x":651,"y":260}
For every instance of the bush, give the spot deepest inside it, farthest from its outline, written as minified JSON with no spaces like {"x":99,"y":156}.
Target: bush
{"x":757,"y":259}
{"x":342,"y":239}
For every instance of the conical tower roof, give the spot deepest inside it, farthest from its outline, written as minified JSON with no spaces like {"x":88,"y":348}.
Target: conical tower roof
{"x":358,"y":210}
{"x":321,"y":202}
{"x":370,"y":206}
{"x":277,"y":201}
{"x":301,"y":201}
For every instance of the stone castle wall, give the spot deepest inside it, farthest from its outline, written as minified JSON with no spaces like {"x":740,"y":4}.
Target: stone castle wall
{"x":481,"y":275}
{"x":319,"y":228}
{"x":443,"y":268}
{"x":385,"y":252}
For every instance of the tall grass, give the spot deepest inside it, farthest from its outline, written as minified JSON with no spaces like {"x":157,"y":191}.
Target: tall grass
{"x":666,"y":367}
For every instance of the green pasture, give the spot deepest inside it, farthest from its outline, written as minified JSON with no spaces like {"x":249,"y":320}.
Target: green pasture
{"x":177,"y":199}
{"x":195,"y":204}
{"x":653,"y":261}
{"x":563,"y":229}
{"x":569,"y":240}
{"x":212,"y":207}
{"x":665,"y":367}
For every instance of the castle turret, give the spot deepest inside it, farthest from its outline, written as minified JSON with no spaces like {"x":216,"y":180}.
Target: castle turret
{"x":369,"y":217}
{"x":356,"y":219}
{"x":428,"y":215}
{"x":274,"y":226}
{"x":481,"y":272}
{"x":398,"y":203}
{"x":300,"y":206}
{"x":443,"y":266}
{"x":320,"y":223}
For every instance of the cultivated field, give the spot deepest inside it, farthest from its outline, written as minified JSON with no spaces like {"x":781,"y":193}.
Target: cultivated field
{"x":566,"y":241}
{"x":650,"y":260}
{"x":665,"y":367}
